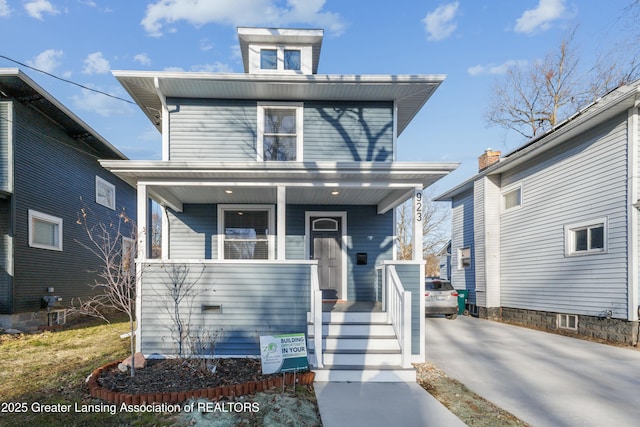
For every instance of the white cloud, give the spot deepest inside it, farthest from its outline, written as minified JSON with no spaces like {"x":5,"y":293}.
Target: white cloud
{"x":98,"y":103}
{"x":541,"y":17}
{"x":4,"y":8}
{"x":494,"y":69}
{"x":238,"y":13}
{"x":47,"y":60}
{"x":37,"y":8}
{"x":142,"y":59}
{"x":95,"y":63}
{"x":440,"y":23}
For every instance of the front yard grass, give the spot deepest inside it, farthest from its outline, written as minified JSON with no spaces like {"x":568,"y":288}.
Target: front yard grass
{"x":50,"y":368}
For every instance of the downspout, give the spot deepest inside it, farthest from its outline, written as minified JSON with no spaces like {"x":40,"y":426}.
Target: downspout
{"x":632,"y":197}
{"x":165,"y":119}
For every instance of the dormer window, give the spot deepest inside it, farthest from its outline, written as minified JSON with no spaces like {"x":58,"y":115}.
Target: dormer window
{"x":280,"y":58}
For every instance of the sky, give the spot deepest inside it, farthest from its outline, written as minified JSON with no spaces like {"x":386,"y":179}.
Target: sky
{"x":470,"y":41}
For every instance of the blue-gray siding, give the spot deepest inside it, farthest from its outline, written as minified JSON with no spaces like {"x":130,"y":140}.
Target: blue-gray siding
{"x":409,"y":275}
{"x":348,"y":131}
{"x":5,"y":140}
{"x":583,"y":180}
{"x":55,"y":176}
{"x":193,"y":235}
{"x":6,"y":290}
{"x":226,"y":130}
{"x":256,"y":299}
{"x":217,"y":130}
{"x":462,"y":224}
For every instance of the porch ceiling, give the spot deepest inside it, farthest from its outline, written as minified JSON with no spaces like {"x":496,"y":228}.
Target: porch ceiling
{"x":383,"y":184}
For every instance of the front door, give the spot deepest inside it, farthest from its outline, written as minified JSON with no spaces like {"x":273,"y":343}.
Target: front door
{"x":326,"y":247}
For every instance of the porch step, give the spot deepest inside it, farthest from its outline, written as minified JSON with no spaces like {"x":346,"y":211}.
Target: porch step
{"x":358,"y":346}
{"x":351,"y":329}
{"x":359,"y":373}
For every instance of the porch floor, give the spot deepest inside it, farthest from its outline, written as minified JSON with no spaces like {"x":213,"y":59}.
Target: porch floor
{"x":351,"y":306}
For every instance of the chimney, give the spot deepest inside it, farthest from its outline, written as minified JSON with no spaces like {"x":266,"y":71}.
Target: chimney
{"x":488,"y":158}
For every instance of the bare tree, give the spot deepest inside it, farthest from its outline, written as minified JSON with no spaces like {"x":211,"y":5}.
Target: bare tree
{"x":533,"y":99}
{"x":434,"y":228}
{"x":114,"y":244}
{"x":177,"y":299}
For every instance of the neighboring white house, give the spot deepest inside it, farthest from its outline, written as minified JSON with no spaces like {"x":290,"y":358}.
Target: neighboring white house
{"x":548,"y":234}
{"x":279,"y":187}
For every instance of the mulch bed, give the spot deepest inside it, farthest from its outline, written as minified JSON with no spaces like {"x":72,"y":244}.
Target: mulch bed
{"x":176,"y":380}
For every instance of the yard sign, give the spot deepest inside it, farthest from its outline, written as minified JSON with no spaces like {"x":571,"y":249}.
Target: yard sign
{"x":283,"y":353}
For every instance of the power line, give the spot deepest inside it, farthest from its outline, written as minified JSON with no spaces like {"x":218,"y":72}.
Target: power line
{"x":67,"y":81}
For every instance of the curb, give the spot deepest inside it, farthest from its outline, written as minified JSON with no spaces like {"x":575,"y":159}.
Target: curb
{"x":99,"y":392}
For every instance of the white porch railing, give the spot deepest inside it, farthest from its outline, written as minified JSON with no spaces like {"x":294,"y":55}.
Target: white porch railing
{"x":396,"y":301}
{"x":316,"y":315}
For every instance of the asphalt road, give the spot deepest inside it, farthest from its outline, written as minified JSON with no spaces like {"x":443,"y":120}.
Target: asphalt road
{"x":544,"y":379}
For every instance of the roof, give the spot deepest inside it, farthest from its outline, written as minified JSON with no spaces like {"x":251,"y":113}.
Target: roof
{"x":610,"y":105}
{"x":310,"y":37}
{"x":14,"y":84}
{"x":410,"y":92}
{"x":173,"y":183}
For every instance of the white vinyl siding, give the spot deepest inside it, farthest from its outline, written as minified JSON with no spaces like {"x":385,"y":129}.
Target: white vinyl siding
{"x":582,"y":180}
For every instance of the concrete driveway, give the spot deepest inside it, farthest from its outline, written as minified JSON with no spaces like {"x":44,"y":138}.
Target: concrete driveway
{"x":544,"y":379}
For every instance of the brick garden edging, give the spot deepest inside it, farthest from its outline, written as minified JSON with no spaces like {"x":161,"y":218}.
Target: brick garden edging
{"x":97,"y":391}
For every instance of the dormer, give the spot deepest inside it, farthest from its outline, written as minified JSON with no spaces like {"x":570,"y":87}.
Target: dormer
{"x":280,"y":50}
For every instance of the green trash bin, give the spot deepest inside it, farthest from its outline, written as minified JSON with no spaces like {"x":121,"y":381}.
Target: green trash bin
{"x":463,"y":296}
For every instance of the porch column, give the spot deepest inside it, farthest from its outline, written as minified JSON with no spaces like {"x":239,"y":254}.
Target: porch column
{"x":281,"y":226}
{"x":418,"y":218}
{"x":142,"y":218}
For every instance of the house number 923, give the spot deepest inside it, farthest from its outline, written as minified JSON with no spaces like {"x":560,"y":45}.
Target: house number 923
{"x":418,"y":206}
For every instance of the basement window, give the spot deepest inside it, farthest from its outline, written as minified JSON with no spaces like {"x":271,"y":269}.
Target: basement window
{"x":567,"y":321}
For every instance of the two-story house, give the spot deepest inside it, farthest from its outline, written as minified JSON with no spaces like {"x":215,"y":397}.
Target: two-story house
{"x":547,"y":235}
{"x":49,"y":171}
{"x":279,"y":187}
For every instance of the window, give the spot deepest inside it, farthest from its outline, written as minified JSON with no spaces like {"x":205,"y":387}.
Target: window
{"x":512,"y":198}
{"x":586,"y":238}
{"x":268,"y":59}
{"x":464,"y":258}
{"x":279,"y":132}
{"x":245,"y":232}
{"x":105,"y":193}
{"x":280,"y":58}
{"x":567,"y":321}
{"x":45,"y":231}
{"x":292,"y":60}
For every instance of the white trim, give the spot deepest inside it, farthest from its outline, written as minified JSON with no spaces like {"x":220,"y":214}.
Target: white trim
{"x":247,"y":207}
{"x":255,"y":57}
{"x":459,"y":250}
{"x":566,"y":317}
{"x":108,"y":199}
{"x":307,"y":241}
{"x":299,"y":107}
{"x":281,"y":224}
{"x":418,"y":230}
{"x":569,"y":237}
{"x":633,"y":130}
{"x":39,"y":216}
{"x":507,"y":190}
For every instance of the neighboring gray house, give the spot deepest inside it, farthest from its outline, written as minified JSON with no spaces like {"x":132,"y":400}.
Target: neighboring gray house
{"x":279,"y":187}
{"x":548,"y":234}
{"x":49,"y":170}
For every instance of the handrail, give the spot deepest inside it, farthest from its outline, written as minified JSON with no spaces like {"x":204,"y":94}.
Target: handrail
{"x":316,"y":315}
{"x":399,"y":312}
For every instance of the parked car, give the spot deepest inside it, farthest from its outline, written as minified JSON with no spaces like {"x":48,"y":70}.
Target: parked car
{"x":440,"y":297}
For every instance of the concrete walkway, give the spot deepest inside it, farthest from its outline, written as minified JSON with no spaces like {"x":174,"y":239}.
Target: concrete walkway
{"x":380,"y":405}
{"x":542,"y":378}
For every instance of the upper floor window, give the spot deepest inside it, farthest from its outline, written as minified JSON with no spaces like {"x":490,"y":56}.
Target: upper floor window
{"x":586,"y":238}
{"x":105,"y":193}
{"x":464,"y":258}
{"x":512,"y":198}
{"x":280,"y":132}
{"x":280,"y":58}
{"x":269,"y":59}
